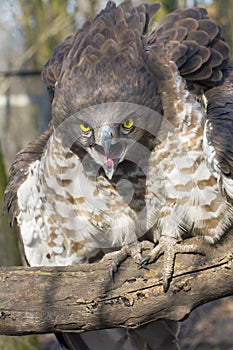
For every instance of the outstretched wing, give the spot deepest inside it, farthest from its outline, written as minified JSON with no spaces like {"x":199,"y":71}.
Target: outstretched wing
{"x":195,"y":43}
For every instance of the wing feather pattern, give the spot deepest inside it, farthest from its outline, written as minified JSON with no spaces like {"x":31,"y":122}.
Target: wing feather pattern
{"x":195,"y":43}
{"x":219,"y":124}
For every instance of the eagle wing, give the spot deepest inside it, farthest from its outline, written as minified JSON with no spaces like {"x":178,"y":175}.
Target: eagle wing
{"x":195,"y":43}
{"x":197,"y":46}
{"x":219,"y":126}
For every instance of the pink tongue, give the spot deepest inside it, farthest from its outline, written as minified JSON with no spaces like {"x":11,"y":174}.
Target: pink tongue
{"x":109,"y":163}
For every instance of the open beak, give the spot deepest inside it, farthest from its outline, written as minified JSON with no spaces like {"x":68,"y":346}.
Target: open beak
{"x":109,"y":152}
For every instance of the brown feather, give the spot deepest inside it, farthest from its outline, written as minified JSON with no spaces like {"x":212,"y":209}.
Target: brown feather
{"x":189,"y":23}
{"x":220,"y":130}
{"x":204,"y":42}
{"x":209,"y":27}
{"x":119,"y":50}
{"x":199,"y":36}
{"x":192,"y":64}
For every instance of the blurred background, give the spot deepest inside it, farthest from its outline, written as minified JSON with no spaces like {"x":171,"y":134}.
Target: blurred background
{"x":29,"y":31}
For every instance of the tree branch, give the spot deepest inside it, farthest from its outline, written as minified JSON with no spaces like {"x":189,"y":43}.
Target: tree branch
{"x":83,"y":297}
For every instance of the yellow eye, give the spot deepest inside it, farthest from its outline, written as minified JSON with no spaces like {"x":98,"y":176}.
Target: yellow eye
{"x":128,"y":123}
{"x":84,"y":127}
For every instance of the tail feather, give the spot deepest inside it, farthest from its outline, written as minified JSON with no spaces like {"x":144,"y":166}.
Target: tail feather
{"x":157,"y":335}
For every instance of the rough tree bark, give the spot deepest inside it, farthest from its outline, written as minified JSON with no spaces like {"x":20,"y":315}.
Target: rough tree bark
{"x":83,"y":297}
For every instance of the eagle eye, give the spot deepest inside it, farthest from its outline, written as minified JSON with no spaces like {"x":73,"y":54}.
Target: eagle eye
{"x":84,"y":127}
{"x":128,"y":124}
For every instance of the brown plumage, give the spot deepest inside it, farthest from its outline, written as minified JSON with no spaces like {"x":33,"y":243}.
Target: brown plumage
{"x":139,"y":147}
{"x":195,"y":44}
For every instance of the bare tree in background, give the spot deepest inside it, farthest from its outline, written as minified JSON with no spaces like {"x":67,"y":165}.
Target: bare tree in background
{"x":223,"y":14}
{"x":45,"y":24}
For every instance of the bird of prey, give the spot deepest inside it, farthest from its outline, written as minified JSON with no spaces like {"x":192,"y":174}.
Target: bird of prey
{"x":139,"y":148}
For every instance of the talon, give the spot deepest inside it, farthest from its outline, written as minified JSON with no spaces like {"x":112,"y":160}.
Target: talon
{"x":132,"y":249}
{"x":116,"y":261}
{"x":166,"y":284}
{"x":169,"y":247}
{"x":144,"y":267}
{"x":141,"y":265}
{"x":144,"y":261}
{"x":112,"y":271}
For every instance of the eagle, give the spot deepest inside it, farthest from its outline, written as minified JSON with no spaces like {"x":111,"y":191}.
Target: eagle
{"x":138,"y":150}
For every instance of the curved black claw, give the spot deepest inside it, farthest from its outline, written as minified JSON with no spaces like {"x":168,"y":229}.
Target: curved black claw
{"x":116,"y":260}
{"x":112,"y":271}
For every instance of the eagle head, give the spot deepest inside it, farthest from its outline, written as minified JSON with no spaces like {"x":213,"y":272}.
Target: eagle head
{"x":108,"y":144}
{"x":111,"y":133}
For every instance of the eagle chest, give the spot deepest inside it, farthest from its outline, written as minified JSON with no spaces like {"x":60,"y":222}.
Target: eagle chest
{"x":191,"y":198}
{"x":67,"y":215}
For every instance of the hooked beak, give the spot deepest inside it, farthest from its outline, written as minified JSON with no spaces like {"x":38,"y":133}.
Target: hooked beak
{"x":108,"y":152}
